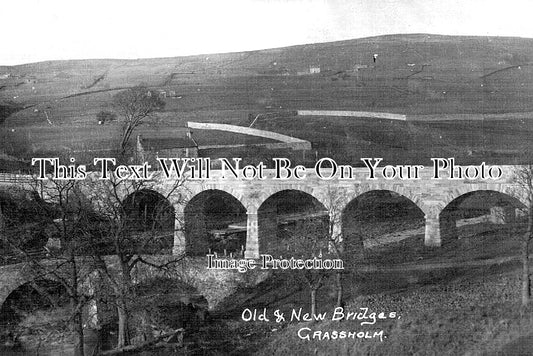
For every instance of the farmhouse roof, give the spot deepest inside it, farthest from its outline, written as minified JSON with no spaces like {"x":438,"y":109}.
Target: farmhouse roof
{"x":165,"y":143}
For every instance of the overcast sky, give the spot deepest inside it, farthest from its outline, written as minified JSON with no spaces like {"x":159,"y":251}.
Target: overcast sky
{"x":37,"y":30}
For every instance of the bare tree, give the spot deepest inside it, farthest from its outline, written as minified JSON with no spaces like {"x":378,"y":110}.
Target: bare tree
{"x":68,"y":220}
{"x":128,"y":241}
{"x":524,"y":179}
{"x":105,"y":226}
{"x":316,"y":237}
{"x":305,"y":242}
{"x":334,"y":204}
{"x":135,"y":105}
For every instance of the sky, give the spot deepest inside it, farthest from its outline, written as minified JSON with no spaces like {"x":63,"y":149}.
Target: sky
{"x":38,"y":30}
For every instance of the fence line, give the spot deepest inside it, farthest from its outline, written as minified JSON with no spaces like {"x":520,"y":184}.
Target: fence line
{"x":15,"y":178}
{"x":371,"y":114}
{"x":296,"y":143}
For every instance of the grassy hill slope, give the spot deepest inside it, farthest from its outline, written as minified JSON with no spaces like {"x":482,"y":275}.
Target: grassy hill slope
{"x":417,"y":74}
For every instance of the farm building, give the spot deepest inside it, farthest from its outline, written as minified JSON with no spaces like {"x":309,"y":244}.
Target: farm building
{"x":314,"y":69}
{"x":311,"y":70}
{"x":149,"y":149}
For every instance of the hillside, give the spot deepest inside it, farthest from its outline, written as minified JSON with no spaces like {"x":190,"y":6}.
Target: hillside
{"x":48,"y":106}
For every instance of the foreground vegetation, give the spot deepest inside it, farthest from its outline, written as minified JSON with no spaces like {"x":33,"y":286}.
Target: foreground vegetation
{"x":473,"y":312}
{"x":443,"y":311}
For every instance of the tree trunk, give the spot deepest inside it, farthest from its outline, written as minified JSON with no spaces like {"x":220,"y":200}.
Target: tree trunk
{"x":526,"y":280}
{"x":313,"y":301}
{"x":124,"y":292}
{"x":77,"y":318}
{"x":154,"y":341}
{"x":526,"y":295}
{"x":3,"y":234}
{"x":79,"y":348}
{"x":338,"y":283}
{"x":126,"y":138}
{"x":123,"y":323}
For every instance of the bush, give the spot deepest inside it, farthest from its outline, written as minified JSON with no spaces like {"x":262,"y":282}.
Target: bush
{"x":105,"y":115}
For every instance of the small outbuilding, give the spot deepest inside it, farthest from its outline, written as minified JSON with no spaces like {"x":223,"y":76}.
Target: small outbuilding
{"x":314,"y":69}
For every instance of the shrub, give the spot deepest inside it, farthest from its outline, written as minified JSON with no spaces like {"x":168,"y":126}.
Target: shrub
{"x":105,"y":115}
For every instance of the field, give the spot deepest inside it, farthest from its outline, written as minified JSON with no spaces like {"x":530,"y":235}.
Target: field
{"x":464,"y":80}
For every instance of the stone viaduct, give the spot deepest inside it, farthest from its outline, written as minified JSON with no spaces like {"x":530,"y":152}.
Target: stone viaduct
{"x":432,"y":196}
